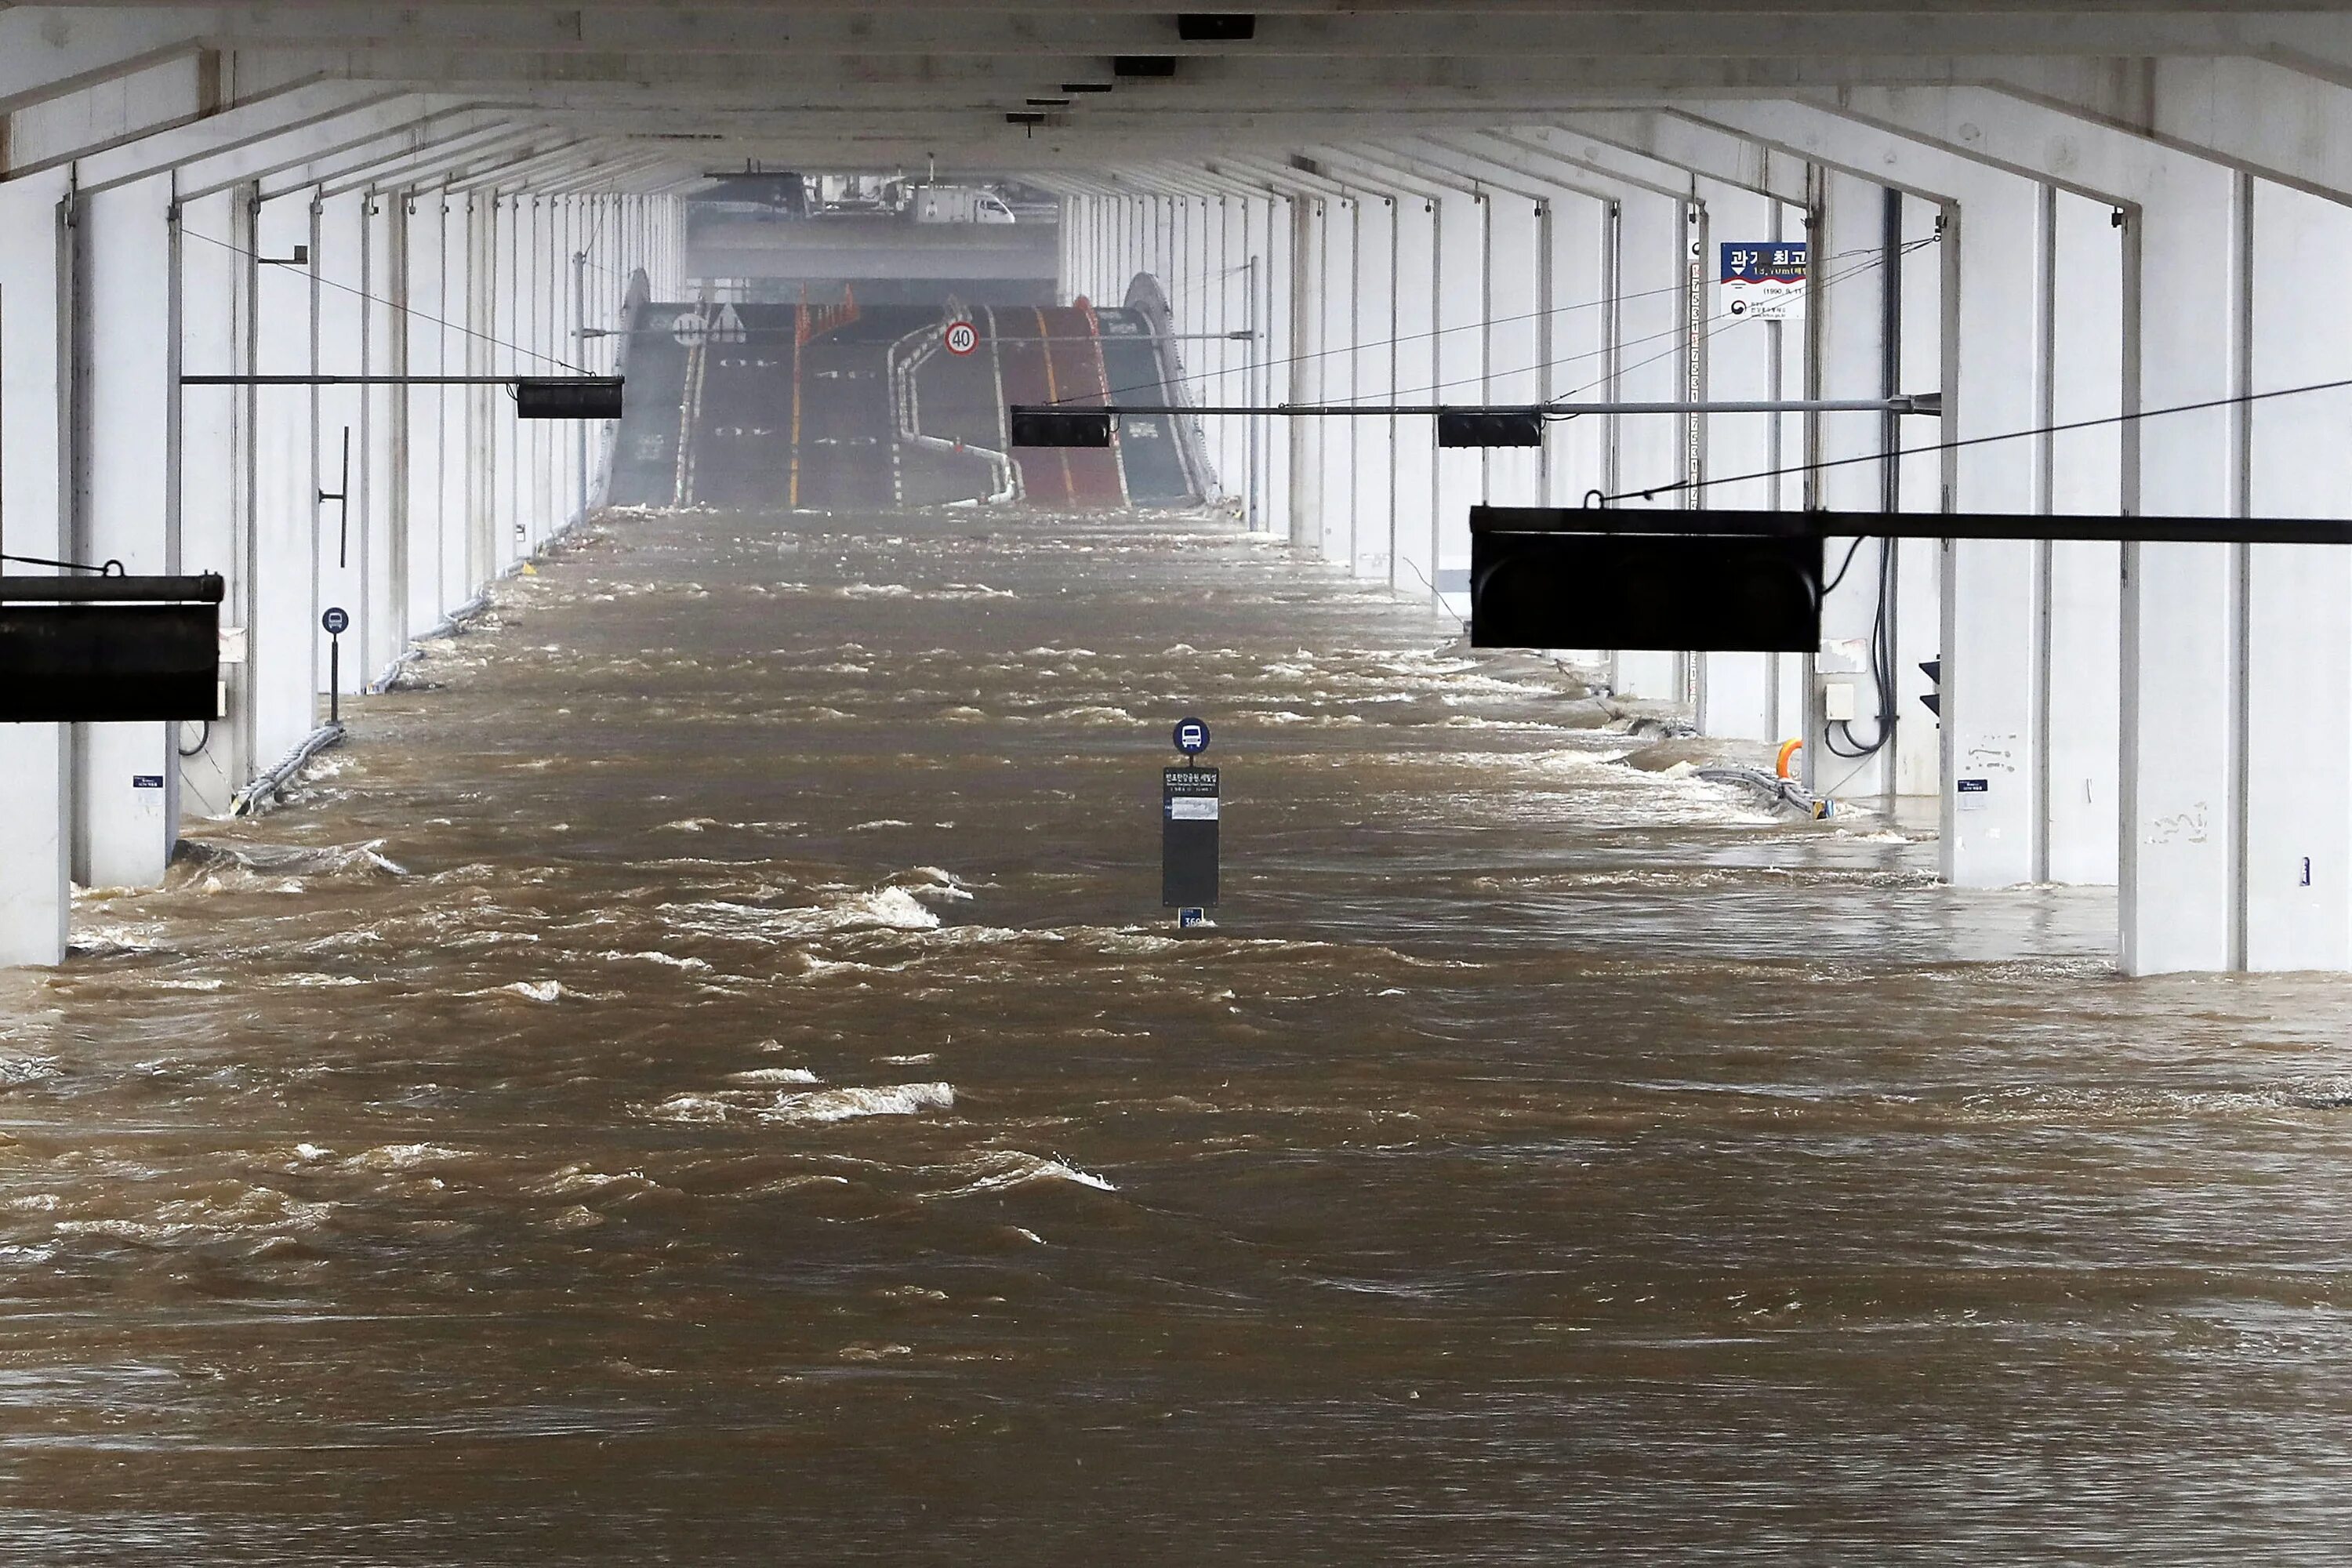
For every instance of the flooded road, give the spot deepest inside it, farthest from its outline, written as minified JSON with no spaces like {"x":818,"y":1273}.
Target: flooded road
{"x":703,"y":1077}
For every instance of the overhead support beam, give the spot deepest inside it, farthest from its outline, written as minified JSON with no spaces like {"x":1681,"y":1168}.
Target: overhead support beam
{"x":1642,"y":142}
{"x":1402,"y":32}
{"x":50,"y":52}
{"x":436,"y":162}
{"x":225,"y":142}
{"x":356,"y":166}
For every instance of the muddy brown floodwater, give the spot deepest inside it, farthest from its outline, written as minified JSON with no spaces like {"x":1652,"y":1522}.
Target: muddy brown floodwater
{"x":705,"y":1078}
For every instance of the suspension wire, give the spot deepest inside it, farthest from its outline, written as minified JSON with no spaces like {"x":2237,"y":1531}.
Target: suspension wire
{"x":2061,"y":428}
{"x":403,"y":309}
{"x":1440,"y":331}
{"x":112,"y":569}
{"x":1673,"y":332}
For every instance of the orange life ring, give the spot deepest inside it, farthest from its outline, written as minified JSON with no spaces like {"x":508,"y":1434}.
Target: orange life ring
{"x":1788,"y":749}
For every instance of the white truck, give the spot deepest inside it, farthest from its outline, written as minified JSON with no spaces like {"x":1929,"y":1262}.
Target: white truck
{"x":957,"y":203}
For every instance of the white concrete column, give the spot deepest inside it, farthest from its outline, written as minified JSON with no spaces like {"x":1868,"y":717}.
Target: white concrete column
{"x":379,"y":516}
{"x":339,"y":271}
{"x":126,"y":777}
{"x":1374,"y":322}
{"x":1737,"y":690}
{"x":459,"y":465}
{"x":1310,"y":372}
{"x":2296,"y":851}
{"x":1992,"y":819}
{"x":288,"y":671}
{"x":1412,"y":538}
{"x":215,"y":307}
{"x":1645,"y":363}
{"x":425,"y":494}
{"x":2182,"y":634}
{"x":1512,"y":345}
{"x":1335,"y":440}
{"x":36,"y":835}
{"x":1461,"y":315}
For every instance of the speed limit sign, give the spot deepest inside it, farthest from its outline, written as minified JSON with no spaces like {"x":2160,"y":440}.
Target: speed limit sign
{"x":961,"y":338}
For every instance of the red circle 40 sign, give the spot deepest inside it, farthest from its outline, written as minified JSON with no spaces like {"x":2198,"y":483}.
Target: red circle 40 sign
{"x":961,"y":337}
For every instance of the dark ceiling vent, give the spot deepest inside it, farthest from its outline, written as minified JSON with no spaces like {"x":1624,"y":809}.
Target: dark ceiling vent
{"x":1216,"y":26}
{"x":1086,"y":87}
{"x":1306,"y":165}
{"x":1143,"y":66}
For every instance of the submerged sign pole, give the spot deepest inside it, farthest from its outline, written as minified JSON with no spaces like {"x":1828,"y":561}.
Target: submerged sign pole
{"x":1188,"y":830}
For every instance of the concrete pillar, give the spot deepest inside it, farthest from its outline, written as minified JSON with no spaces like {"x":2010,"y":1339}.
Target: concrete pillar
{"x":426,"y":532}
{"x":1645,"y":363}
{"x":35,"y":835}
{"x":338,"y":293}
{"x":2081,"y":618}
{"x":1583,"y":231}
{"x":126,"y":777}
{"x":1512,"y":346}
{"x":215,"y":307}
{"x":1844,"y":318}
{"x":1461,"y":315}
{"x":1737,"y":691}
{"x":2297,"y":852}
{"x":281,"y":559}
{"x":1335,"y":440}
{"x":1991,"y":816}
{"x":1309,"y":369}
{"x":1412,"y":539}
{"x":1374,"y":319}
{"x":2185,"y":289}
{"x":379,"y":516}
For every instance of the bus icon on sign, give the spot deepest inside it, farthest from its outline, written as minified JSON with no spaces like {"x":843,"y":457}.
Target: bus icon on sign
{"x":1192,"y":737}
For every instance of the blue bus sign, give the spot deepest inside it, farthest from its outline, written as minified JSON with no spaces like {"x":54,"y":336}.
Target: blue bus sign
{"x":1192,"y":736}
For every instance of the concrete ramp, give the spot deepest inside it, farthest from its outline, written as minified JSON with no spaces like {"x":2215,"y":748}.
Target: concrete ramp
{"x":845,"y":406}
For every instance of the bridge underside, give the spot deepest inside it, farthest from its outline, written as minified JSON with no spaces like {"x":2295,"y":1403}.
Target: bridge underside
{"x":2106,"y":238}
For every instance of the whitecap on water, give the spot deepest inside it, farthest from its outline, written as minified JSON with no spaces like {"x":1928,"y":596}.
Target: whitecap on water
{"x":15,"y":1071}
{"x":824,"y":1105}
{"x":1002,"y":1169}
{"x":882,"y":909}
{"x":808,"y":1108}
{"x":661,"y":958}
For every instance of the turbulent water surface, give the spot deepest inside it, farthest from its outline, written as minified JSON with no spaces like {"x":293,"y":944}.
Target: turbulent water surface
{"x":703,"y":1077}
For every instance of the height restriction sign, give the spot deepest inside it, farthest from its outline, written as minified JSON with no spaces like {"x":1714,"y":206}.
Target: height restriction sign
{"x":1764,"y":280}
{"x":961,"y":337}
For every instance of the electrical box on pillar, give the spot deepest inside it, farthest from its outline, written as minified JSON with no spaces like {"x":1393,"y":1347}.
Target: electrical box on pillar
{"x":109,"y":649}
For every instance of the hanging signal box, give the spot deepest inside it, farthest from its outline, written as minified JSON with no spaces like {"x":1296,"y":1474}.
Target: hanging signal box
{"x":98,"y":650}
{"x":1058,"y":426}
{"x":568,"y":397}
{"x":1490,"y":427}
{"x":1216,"y":27}
{"x":1610,"y":586}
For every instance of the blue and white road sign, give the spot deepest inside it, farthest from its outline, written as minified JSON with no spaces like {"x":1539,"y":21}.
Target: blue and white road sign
{"x":1192,"y":736}
{"x":336,"y":622}
{"x":1764,"y":279}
